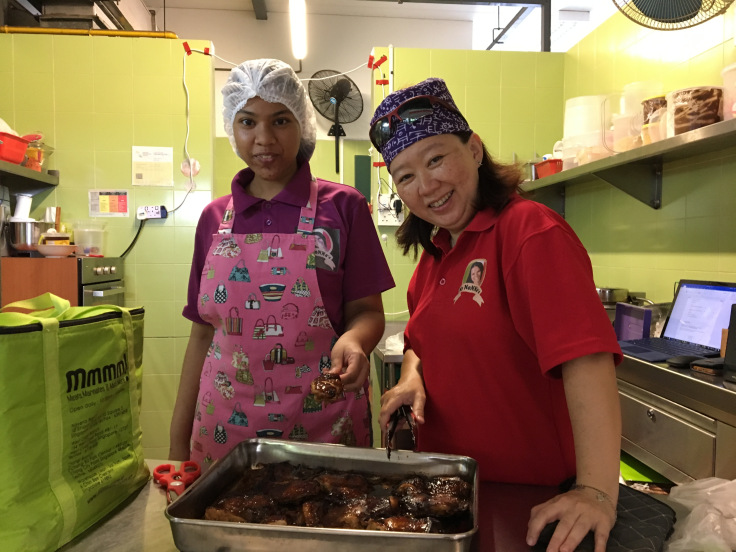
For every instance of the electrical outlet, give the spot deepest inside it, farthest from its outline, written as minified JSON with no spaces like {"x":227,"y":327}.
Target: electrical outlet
{"x":151,"y":212}
{"x":390,"y":210}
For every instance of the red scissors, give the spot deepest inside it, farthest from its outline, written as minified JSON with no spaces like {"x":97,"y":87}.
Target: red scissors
{"x":175,"y":481}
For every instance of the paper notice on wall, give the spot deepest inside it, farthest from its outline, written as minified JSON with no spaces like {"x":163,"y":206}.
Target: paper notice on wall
{"x":108,"y":203}
{"x":153,"y":166}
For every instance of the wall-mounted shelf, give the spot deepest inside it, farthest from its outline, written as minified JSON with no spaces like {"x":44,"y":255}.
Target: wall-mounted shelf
{"x":25,"y":181}
{"x":638,"y":172}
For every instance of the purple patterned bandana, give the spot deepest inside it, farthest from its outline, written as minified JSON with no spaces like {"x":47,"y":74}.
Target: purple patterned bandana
{"x":442,"y":120}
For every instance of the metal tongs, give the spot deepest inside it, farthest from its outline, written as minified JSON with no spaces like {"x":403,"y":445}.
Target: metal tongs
{"x":403,"y":412}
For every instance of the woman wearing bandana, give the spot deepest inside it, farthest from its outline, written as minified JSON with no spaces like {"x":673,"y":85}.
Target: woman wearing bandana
{"x":509,"y":355}
{"x":270,"y":310}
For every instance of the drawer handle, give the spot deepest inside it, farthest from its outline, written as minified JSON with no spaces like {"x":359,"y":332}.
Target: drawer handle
{"x":651,"y":414}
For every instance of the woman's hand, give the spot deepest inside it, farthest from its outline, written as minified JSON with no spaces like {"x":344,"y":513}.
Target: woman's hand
{"x":350,"y":362}
{"x":592,"y":400}
{"x":364,"y":324}
{"x":578,"y":511}
{"x":409,"y":390}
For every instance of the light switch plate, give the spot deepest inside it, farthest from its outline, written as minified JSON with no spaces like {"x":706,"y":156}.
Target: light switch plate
{"x":386,"y":210}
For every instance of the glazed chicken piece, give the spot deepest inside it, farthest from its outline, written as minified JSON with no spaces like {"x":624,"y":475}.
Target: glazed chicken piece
{"x":401,"y":523}
{"x":327,"y":388}
{"x":444,"y":505}
{"x":331,"y":481}
{"x":411,"y":486}
{"x":438,"y":497}
{"x":244,"y":508}
{"x":311,"y":513}
{"x":295,"y":491}
{"x":350,"y":515}
{"x":451,"y":485}
{"x":283,"y":471}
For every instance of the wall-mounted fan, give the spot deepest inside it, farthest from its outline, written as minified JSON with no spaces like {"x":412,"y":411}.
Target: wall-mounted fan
{"x":338,"y":99}
{"x":671,"y":15}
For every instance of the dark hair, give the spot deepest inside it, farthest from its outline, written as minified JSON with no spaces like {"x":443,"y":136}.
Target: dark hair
{"x":498,"y":182}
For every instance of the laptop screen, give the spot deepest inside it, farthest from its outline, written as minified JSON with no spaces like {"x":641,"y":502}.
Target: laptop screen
{"x":700,"y":311}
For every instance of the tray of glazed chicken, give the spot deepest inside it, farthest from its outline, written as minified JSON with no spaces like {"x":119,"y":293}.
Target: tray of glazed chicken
{"x":270,"y":494}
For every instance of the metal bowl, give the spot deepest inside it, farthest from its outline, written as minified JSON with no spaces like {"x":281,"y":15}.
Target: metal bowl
{"x":24,"y":236}
{"x":613,"y":295}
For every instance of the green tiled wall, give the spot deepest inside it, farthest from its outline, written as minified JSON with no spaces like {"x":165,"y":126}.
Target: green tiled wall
{"x":693,"y":235}
{"x":94,"y":97}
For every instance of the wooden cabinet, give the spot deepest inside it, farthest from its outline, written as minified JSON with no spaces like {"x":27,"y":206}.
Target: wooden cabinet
{"x":26,"y":277}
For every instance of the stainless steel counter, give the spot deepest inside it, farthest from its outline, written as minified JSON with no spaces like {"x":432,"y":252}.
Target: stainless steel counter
{"x":710,"y":395}
{"x":679,"y":422}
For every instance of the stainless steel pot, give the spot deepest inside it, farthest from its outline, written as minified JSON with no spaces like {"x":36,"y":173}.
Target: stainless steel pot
{"x":24,"y":236}
{"x":613,"y":295}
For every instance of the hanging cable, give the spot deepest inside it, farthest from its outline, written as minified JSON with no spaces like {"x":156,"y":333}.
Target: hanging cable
{"x":135,"y":238}
{"x":361,"y":66}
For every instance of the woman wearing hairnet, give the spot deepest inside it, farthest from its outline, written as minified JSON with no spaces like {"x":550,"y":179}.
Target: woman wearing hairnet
{"x":271,"y":306}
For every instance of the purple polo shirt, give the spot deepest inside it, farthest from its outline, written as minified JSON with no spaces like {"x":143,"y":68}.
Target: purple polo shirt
{"x":342,"y":215}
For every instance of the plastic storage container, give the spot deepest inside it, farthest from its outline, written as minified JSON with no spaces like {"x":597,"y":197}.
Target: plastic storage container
{"x":548,"y":167}
{"x":89,"y":237}
{"x":635,"y":93}
{"x":578,"y":150}
{"x":12,"y":148}
{"x":693,"y":108}
{"x":584,"y":115}
{"x":728,"y":74}
{"x":626,"y":132}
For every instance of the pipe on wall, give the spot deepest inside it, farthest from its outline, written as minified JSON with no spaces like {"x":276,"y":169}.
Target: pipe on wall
{"x":90,"y":32}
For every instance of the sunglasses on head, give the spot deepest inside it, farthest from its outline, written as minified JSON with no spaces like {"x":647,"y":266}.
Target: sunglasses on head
{"x":410,"y":111}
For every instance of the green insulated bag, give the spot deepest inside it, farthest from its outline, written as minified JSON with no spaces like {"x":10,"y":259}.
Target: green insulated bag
{"x":70,"y":397}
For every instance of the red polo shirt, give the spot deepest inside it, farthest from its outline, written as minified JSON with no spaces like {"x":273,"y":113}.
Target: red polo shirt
{"x":491,"y":348}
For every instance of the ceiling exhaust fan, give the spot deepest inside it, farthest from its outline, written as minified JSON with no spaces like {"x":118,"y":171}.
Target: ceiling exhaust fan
{"x":671,"y":15}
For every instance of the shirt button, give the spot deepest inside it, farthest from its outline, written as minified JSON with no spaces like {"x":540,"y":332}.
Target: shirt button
{"x":266,"y":205}
{"x":268,"y":222}
{"x":442,"y":281}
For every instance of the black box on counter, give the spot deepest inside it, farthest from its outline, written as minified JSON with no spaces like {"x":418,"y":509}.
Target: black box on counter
{"x":729,"y":364}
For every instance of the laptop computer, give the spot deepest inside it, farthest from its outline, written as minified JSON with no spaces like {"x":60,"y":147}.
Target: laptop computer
{"x":700,"y":310}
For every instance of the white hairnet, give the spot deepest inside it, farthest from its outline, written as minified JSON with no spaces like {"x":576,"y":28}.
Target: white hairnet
{"x":273,"y":81}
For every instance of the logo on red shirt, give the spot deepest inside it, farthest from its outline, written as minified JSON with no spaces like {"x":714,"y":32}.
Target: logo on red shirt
{"x":473,"y":280}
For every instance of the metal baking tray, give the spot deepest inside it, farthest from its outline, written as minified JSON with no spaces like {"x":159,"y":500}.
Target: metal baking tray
{"x":194,"y":534}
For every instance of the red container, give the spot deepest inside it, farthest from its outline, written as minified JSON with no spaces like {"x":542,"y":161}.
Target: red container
{"x":12,"y":148}
{"x":548,"y":167}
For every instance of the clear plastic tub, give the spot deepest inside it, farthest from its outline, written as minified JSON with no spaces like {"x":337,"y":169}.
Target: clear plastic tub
{"x":585,"y":115}
{"x":692,"y":108}
{"x":89,"y":237}
{"x":728,"y":74}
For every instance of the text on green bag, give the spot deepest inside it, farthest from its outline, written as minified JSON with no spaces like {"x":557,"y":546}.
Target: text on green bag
{"x":96,"y":376}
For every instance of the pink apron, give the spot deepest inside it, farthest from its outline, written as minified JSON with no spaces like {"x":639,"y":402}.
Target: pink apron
{"x":272,"y":338}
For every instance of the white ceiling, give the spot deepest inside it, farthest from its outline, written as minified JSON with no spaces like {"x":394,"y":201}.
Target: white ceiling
{"x":525,"y":36}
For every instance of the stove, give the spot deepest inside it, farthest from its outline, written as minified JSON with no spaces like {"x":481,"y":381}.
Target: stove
{"x":100,"y":281}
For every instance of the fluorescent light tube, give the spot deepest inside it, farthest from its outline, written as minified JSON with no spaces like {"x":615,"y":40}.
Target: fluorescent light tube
{"x":298,"y":21}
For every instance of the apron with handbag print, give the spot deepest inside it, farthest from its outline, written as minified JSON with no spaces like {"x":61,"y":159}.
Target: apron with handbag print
{"x":258,"y":315}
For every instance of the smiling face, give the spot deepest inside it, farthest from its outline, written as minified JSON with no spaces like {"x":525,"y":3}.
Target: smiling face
{"x":437,"y":178}
{"x":476,"y":273}
{"x":267,"y":138}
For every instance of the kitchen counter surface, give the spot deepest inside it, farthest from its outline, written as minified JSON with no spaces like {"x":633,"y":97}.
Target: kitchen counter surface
{"x":141,"y":526}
